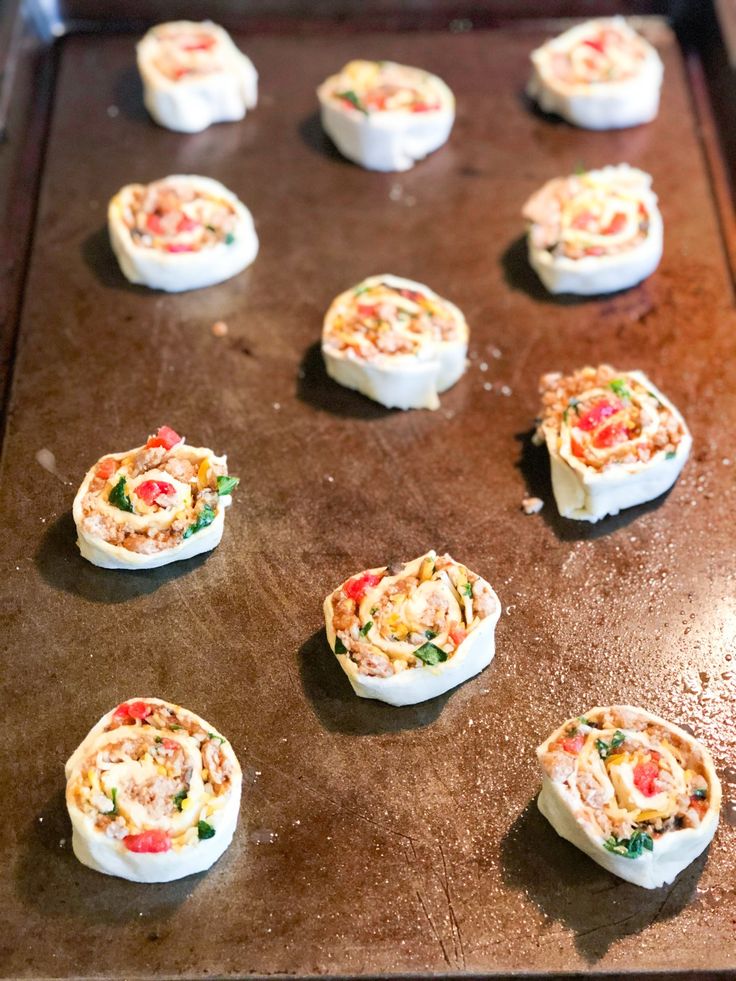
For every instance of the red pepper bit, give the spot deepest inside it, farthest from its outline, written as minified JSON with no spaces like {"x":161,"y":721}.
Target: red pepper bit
{"x":573,"y":744}
{"x":148,"y":841}
{"x":616,"y":225}
{"x":165,"y":437}
{"x":106,"y":468}
{"x":131,"y":710}
{"x":357,"y":588}
{"x":150,"y":490}
{"x":611,"y":435}
{"x":597,"y":414}
{"x":645,"y":778}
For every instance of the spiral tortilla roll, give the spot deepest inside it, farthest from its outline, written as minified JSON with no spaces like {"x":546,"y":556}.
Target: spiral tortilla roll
{"x":158,"y":503}
{"x":385,"y":116}
{"x":403,"y":635}
{"x":594,"y":232}
{"x":395,"y":341}
{"x":614,"y":440}
{"x":183,"y":232}
{"x":193,"y":76}
{"x":153,"y":793}
{"x":637,"y":794}
{"x":598,"y":75}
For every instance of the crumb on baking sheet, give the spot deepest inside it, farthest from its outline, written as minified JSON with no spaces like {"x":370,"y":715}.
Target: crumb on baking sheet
{"x":219,"y":328}
{"x":532,"y":505}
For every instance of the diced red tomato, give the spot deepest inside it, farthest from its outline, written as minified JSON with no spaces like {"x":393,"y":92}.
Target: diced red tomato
{"x":458,"y":635}
{"x":595,"y":250}
{"x":616,"y":225}
{"x":424,"y":107}
{"x":148,"y":841}
{"x":643,"y":213}
{"x":179,"y":247}
{"x":645,"y":778}
{"x":701,"y":806}
{"x":611,"y":435}
{"x":573,"y":744}
{"x":411,"y":295}
{"x":153,"y":224}
{"x":150,"y":490}
{"x":186,"y":224}
{"x":583,"y":220}
{"x":165,"y":437}
{"x":577,"y":449}
{"x":598,"y":413}
{"x":132,"y":710}
{"x":198,"y":44}
{"x":367,"y":309}
{"x":106,"y":468}
{"x":595,"y":43}
{"x":358,"y":587}
{"x":171,"y":744}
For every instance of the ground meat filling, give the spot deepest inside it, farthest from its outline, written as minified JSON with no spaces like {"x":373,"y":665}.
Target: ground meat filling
{"x":608,"y":418}
{"x":590,"y":214}
{"x":633,"y":779}
{"x":186,"y":52}
{"x":382,"y":320}
{"x":382,"y":86}
{"x":604,"y":55}
{"x":124,"y":509}
{"x":396,"y":620}
{"x":176,"y":216}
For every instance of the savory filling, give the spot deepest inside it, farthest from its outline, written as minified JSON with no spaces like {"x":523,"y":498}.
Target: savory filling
{"x":383,"y":86}
{"x":417,"y":614}
{"x":155,"y":497}
{"x":175,"y":216}
{"x":600,"y":418}
{"x":631,"y":779}
{"x":607,"y":51}
{"x":376,"y":319}
{"x":154,"y":778}
{"x":596,"y":213}
{"x":185,"y":51}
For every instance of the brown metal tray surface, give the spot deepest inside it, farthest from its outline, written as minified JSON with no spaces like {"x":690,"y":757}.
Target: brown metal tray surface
{"x":372,"y":840}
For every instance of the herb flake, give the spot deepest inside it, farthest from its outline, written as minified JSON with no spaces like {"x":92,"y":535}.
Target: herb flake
{"x":180,"y":798}
{"x":607,"y":749}
{"x":118,"y":496}
{"x":114,"y":798}
{"x":206,"y":517}
{"x":632,"y":847}
{"x":340,"y":648}
{"x":619,"y":387}
{"x":352,"y":98}
{"x":227,"y":484}
{"x":365,"y":628}
{"x":430,"y":654}
{"x":205,"y":830}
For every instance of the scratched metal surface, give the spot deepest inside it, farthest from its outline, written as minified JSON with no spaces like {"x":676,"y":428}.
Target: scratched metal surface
{"x":372,"y":840}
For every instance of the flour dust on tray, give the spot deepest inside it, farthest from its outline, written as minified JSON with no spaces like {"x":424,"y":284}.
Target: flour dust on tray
{"x":193,"y":76}
{"x":153,"y":793}
{"x":614,"y":440}
{"x":409,"y":632}
{"x":598,"y":75}
{"x":594,"y":232}
{"x":158,"y":503}
{"x":637,"y":794}
{"x":385,"y":116}
{"x":180,"y":233}
{"x":395,"y":341}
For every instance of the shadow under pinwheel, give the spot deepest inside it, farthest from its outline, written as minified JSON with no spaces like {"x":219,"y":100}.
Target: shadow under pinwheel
{"x":341,"y":710}
{"x":533,"y":462}
{"x":49,"y":878}
{"x":316,"y":388}
{"x":62,"y":567}
{"x":570,"y":888}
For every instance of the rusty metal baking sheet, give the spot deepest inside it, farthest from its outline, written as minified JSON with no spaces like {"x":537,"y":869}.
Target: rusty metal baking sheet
{"x":372,"y":840}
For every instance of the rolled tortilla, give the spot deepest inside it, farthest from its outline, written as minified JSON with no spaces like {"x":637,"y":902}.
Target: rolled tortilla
{"x":594,"y":232}
{"x":598,"y":75}
{"x":180,"y":233}
{"x":385,"y":116}
{"x":614,"y":440}
{"x":408,"y":634}
{"x":193,"y":76}
{"x":153,"y":793}
{"x":158,"y":503}
{"x":395,"y":341}
{"x":637,"y":794}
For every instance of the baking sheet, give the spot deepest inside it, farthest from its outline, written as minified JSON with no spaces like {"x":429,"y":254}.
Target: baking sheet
{"x":372,"y":840}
